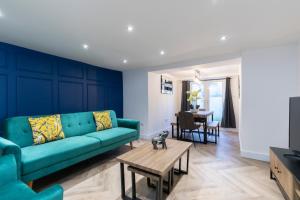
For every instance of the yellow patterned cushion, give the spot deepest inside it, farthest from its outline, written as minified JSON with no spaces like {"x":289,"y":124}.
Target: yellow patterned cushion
{"x":103,"y":120}
{"x":46,"y":129}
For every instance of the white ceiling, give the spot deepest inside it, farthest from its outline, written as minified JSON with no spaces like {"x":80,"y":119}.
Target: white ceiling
{"x":185,"y":29}
{"x":212,"y":70}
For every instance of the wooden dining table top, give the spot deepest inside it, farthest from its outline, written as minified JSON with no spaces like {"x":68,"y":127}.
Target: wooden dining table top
{"x":204,"y":113}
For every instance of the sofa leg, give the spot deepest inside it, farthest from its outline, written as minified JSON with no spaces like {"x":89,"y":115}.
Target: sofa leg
{"x":131,"y":145}
{"x":30,"y":184}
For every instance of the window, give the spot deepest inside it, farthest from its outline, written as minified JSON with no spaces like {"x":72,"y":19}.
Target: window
{"x":211,"y":96}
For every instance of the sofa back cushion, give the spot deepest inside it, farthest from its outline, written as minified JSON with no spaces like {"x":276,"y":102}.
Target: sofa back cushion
{"x":76,"y":124}
{"x":18,"y":130}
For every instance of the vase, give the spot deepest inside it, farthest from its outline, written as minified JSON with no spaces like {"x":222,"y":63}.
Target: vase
{"x":194,"y":109}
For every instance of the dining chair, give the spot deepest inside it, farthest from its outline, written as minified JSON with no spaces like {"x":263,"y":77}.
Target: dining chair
{"x":199,"y":120}
{"x":214,"y":128}
{"x":187,"y":123}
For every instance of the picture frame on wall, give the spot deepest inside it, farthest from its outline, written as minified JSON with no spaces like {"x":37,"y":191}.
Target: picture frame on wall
{"x":166,"y":85}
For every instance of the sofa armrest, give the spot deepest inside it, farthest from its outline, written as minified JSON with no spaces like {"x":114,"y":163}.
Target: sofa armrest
{"x":8,"y":169}
{"x":53,"y":193}
{"x":8,"y":147}
{"x":129,"y":123}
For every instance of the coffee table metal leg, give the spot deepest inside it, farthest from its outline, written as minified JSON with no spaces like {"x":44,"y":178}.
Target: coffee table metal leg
{"x":159,"y":188}
{"x":172,"y":176}
{"x":169,"y":181}
{"x":148,"y":182}
{"x":133,"y":185}
{"x":179,"y":165}
{"x":122,"y":180}
{"x":179,"y":170}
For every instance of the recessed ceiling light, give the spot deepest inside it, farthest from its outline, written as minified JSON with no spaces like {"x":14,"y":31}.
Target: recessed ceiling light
{"x":130,"y":28}
{"x":223,"y":38}
{"x":125,"y":61}
{"x":162,"y":52}
{"x":85,"y":46}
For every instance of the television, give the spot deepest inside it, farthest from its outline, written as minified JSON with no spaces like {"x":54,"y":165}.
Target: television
{"x":294,"y":125}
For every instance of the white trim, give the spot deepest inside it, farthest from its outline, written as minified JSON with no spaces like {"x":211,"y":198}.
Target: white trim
{"x":255,"y":155}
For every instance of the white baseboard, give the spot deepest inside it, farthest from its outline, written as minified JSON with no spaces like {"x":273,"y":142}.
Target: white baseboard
{"x":255,"y":155}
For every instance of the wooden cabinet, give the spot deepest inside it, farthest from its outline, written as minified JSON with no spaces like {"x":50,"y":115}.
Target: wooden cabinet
{"x":280,"y":171}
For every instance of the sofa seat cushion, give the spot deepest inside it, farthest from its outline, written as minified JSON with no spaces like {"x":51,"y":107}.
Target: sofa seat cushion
{"x":113,"y":135}
{"x":40,"y":156}
{"x":15,"y":191}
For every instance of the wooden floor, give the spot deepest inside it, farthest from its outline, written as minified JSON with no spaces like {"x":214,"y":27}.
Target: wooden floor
{"x":216,"y":172}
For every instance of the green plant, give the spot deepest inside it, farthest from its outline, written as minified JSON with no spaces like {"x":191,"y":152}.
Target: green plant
{"x":193,"y":95}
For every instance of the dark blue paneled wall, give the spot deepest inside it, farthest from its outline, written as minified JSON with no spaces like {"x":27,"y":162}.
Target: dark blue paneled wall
{"x":34,"y":83}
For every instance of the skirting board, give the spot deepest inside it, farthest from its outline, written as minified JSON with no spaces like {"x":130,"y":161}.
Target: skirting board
{"x":255,"y":156}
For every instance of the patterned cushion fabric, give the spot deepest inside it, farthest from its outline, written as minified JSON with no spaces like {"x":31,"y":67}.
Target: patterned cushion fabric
{"x":46,"y":129}
{"x":103,"y":120}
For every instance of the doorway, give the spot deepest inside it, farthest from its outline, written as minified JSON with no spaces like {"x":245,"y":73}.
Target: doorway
{"x":211,"y":96}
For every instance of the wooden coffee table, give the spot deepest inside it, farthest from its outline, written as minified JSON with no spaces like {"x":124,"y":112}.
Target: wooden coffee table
{"x":154,"y":164}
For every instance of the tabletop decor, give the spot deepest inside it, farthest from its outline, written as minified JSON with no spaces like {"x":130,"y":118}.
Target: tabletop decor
{"x":194,"y":95}
{"x":160,"y":140}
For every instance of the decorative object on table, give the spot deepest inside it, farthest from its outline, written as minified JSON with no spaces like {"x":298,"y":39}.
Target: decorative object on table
{"x":194,"y":95}
{"x":166,"y":85}
{"x":160,"y":140}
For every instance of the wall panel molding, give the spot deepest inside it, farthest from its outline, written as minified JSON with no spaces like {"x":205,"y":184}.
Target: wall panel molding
{"x":3,"y":58}
{"x":34,"y":96}
{"x":70,"y":69}
{"x":34,"y":62}
{"x":70,"y":96}
{"x":34,"y":83}
{"x":96,"y":96}
{"x":94,"y":74}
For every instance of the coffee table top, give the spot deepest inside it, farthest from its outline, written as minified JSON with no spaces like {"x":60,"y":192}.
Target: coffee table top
{"x":155,"y":161}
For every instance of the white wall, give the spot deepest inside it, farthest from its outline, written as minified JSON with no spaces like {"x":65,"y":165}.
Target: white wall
{"x":135,"y":95}
{"x":161,"y":107}
{"x":269,"y":77}
{"x":143,"y":101}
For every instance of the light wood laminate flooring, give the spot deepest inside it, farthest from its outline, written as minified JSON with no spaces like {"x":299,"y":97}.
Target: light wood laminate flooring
{"x":216,"y":172}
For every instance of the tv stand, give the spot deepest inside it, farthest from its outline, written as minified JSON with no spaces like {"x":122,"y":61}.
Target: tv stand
{"x":285,"y":170}
{"x":292,"y":156}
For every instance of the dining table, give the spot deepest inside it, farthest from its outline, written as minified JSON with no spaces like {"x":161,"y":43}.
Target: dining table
{"x":200,"y":116}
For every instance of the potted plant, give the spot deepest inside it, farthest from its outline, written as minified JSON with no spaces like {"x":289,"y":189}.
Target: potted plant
{"x":194,"y":95}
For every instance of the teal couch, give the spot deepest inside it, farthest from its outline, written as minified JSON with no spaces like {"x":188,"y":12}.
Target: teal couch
{"x":11,"y":187}
{"x":81,"y":142}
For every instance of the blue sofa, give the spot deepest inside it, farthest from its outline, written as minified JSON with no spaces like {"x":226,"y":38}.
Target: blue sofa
{"x":81,"y":142}
{"x":11,"y":187}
